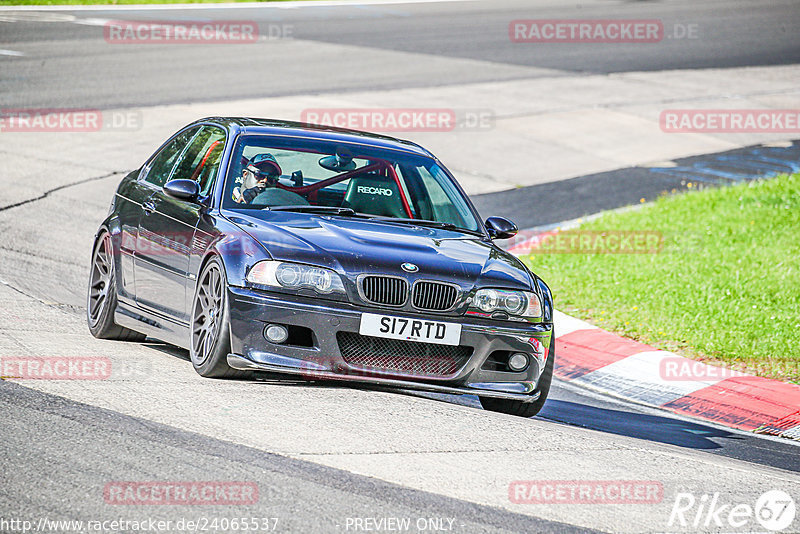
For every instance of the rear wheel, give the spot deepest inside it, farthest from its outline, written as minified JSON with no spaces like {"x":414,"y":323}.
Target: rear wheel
{"x":101,"y":302}
{"x":526,"y":409}
{"x":211,"y":341}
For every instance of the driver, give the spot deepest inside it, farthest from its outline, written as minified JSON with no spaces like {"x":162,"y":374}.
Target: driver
{"x":261,"y":172}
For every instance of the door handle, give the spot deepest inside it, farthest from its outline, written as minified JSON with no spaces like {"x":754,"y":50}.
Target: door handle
{"x":149,"y":207}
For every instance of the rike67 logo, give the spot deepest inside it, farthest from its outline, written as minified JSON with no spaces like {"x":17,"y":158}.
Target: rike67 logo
{"x":774,"y":510}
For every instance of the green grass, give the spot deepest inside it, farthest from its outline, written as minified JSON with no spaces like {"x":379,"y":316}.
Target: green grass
{"x":725,"y":287}
{"x":115,"y":2}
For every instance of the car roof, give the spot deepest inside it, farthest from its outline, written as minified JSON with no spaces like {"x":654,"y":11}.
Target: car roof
{"x":314,"y":131}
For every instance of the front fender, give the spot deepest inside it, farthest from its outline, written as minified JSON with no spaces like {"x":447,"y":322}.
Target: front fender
{"x":547,"y":300}
{"x":237,"y":250}
{"x":123,"y":271}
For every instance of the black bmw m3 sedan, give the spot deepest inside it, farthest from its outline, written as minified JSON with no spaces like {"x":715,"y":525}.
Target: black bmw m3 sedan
{"x":326,"y":254}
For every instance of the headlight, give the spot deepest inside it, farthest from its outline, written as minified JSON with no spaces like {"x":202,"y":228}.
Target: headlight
{"x":295,"y":276}
{"x":516,"y":304}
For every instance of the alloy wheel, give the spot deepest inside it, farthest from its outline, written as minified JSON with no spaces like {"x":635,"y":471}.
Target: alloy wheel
{"x":101,"y":280}
{"x":207,"y":311}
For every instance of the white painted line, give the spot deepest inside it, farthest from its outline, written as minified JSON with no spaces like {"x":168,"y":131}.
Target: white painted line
{"x":92,"y":21}
{"x":34,"y":16}
{"x":778,"y":144}
{"x":792,"y":433}
{"x":565,"y":324}
{"x":638,"y":377}
{"x":11,"y":53}
{"x":226,"y":5}
{"x":656,"y":410}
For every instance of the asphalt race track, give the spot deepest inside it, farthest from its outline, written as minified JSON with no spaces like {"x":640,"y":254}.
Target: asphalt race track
{"x":447,"y":43}
{"x":324,"y":456}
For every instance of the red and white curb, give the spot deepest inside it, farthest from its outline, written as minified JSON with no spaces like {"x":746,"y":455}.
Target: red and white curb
{"x":592,"y":357}
{"x":600,"y":360}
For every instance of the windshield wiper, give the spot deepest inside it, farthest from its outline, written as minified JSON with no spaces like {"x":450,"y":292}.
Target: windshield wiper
{"x":349,"y":212}
{"x":333,"y":210}
{"x":426,"y":222}
{"x":421,"y":222}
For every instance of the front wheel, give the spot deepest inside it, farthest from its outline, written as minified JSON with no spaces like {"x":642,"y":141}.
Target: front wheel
{"x":101,"y":301}
{"x":211,"y":337}
{"x":527,"y":409}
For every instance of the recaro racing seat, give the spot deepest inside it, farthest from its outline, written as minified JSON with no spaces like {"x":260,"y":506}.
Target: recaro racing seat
{"x":374,"y":194}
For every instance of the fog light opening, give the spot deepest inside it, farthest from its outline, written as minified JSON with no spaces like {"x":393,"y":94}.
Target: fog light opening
{"x":276,"y":333}
{"x":518,"y":361}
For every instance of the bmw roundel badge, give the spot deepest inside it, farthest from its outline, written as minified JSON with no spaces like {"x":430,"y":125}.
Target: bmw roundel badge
{"x":409,"y":267}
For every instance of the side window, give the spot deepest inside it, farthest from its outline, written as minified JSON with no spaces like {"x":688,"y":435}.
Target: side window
{"x":160,"y":167}
{"x":200,"y":161}
{"x":442,"y":206}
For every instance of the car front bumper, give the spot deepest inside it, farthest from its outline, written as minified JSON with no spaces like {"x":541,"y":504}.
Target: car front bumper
{"x":251,"y":311}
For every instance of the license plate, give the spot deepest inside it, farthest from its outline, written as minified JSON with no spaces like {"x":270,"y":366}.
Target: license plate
{"x":391,"y":327}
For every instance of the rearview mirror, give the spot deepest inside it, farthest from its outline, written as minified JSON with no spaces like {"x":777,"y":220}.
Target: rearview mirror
{"x":500,"y":228}
{"x":339,"y":162}
{"x":182,"y":189}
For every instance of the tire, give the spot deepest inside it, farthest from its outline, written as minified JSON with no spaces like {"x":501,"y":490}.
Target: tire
{"x":101,"y":298}
{"x":210,"y":341}
{"x":526,"y":409}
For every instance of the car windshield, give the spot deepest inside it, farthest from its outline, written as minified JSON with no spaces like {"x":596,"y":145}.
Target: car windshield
{"x":343,"y":179}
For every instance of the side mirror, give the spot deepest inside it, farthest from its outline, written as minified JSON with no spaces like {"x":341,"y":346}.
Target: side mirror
{"x":182,"y":189}
{"x":500,"y":228}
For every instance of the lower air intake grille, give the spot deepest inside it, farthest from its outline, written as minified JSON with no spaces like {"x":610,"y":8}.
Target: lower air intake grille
{"x":407,"y":357}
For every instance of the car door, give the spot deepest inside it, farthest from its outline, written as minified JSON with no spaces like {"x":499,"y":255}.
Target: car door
{"x":128,"y":207}
{"x":167,"y":225}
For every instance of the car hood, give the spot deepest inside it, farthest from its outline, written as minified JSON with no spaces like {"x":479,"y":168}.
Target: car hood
{"x":355,"y":246}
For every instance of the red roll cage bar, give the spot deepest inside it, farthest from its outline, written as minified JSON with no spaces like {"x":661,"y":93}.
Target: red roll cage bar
{"x":313,"y":188}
